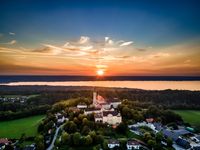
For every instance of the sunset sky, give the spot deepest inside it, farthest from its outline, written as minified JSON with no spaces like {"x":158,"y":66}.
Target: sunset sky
{"x":118,"y":37}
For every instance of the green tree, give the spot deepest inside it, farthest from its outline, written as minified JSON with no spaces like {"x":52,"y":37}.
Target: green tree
{"x":122,"y":128}
{"x":85,"y":130}
{"x":159,"y":136}
{"x":85,"y":121}
{"x":92,"y":134}
{"x":70,"y":127}
{"x":39,"y":141}
{"x":99,"y":139}
{"x":151,"y":143}
{"x":64,"y":137}
{"x":105,"y":145}
{"x":147,"y":136}
{"x":88,"y":140}
{"x":76,"y":138}
{"x":76,"y":121}
{"x":126,"y":112}
{"x":22,"y":138}
{"x":169,"y":142}
{"x":57,"y":143}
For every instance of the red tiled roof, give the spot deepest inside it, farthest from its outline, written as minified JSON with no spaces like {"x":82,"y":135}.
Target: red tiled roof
{"x":113,"y":141}
{"x":4,"y":141}
{"x":132,"y":142}
{"x":149,"y":120}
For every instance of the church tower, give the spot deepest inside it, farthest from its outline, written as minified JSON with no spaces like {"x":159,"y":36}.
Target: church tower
{"x":94,"y":98}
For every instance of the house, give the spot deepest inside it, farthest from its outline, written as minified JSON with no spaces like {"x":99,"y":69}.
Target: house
{"x":195,"y":139}
{"x":30,"y":147}
{"x":81,"y":106}
{"x":105,"y":106}
{"x":170,"y":134}
{"x":113,"y":143}
{"x":60,"y":118}
{"x":48,"y":140}
{"x":3,"y":143}
{"x":196,"y":148}
{"x":183,"y":143}
{"x":158,"y":126}
{"x":112,"y":117}
{"x":181,"y":132}
{"x":74,"y":109}
{"x":98,"y":117}
{"x":149,"y":125}
{"x":149,"y":120}
{"x":132,"y":144}
{"x":92,"y":110}
{"x":114,"y":102}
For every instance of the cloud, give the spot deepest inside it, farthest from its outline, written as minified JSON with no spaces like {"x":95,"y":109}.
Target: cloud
{"x":11,"y":33}
{"x":126,"y":43}
{"x":10,"y":43}
{"x":107,"y":54}
{"x":187,"y":61}
{"x":100,"y":66}
{"x":84,"y":39}
{"x":43,"y":50}
{"x":141,"y":49}
{"x":160,"y":54}
{"x":124,"y":57}
{"x":106,"y":39}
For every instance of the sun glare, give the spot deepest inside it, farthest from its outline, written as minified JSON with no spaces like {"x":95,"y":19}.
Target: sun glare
{"x":100,"y":72}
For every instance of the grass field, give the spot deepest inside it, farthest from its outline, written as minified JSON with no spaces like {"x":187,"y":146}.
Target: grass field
{"x":14,"y":128}
{"x":190,"y":116}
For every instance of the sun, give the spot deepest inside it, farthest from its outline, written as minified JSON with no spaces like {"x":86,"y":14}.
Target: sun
{"x":100,"y":72}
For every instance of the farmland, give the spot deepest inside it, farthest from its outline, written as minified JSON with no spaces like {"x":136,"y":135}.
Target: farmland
{"x":14,"y":128}
{"x":190,"y":116}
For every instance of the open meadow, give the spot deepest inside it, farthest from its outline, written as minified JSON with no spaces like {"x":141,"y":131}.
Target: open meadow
{"x":190,"y":116}
{"x":15,"y":128}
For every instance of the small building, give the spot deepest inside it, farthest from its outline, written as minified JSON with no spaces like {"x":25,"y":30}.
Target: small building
{"x":196,"y":147}
{"x":132,"y":144}
{"x":113,"y":143}
{"x":30,"y":147}
{"x":92,"y":110}
{"x":74,"y":109}
{"x":60,"y":118}
{"x":4,"y":142}
{"x":170,"y":134}
{"x":112,"y":117}
{"x":114,"y":102}
{"x":81,"y":106}
{"x":105,"y":106}
{"x":183,"y":143}
{"x":98,"y":117}
{"x":149,"y":120}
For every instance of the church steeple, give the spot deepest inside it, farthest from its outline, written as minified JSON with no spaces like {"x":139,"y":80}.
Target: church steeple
{"x":94,"y":97}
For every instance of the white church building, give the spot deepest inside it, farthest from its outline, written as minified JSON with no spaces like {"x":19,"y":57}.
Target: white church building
{"x":105,"y":110}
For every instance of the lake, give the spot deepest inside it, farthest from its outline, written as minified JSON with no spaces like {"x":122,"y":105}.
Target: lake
{"x":147,"y":85}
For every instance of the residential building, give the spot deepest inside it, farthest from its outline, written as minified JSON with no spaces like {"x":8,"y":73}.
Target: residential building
{"x":113,"y":143}
{"x":132,"y":144}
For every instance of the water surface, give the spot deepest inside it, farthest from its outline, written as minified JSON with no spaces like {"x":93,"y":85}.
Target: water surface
{"x":147,"y":85}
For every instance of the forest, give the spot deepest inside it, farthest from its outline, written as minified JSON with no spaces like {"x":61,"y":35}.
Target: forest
{"x":47,"y":96}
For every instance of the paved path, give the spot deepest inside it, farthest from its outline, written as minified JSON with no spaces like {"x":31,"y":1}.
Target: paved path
{"x":54,"y":139}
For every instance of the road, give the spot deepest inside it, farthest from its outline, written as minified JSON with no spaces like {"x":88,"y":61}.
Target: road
{"x":54,"y":139}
